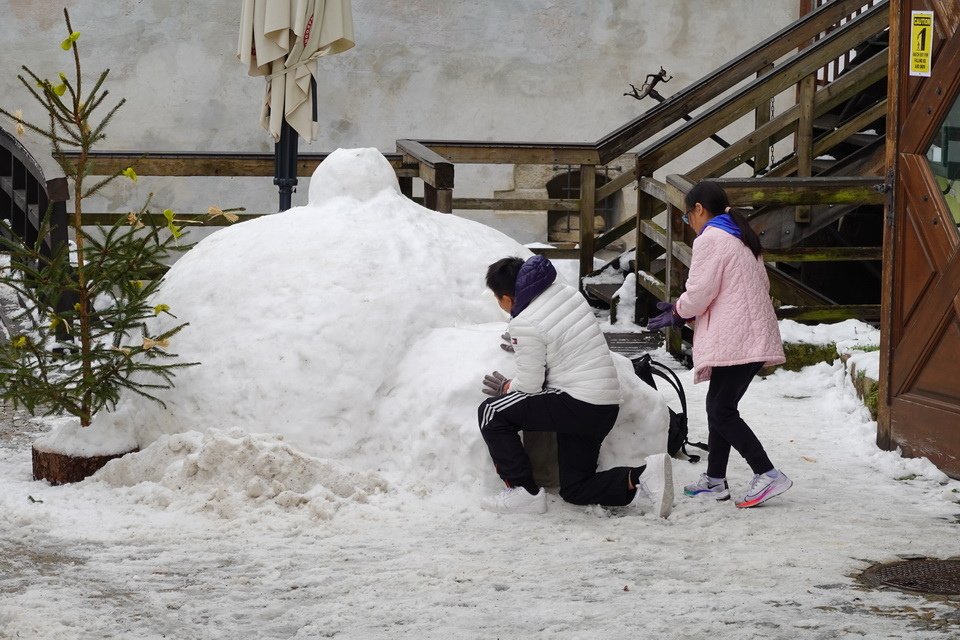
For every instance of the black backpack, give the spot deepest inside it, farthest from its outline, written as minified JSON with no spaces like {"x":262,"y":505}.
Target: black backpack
{"x":646,"y":368}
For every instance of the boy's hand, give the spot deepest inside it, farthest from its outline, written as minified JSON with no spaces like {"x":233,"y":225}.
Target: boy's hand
{"x":507,"y":344}
{"x":495,"y":384}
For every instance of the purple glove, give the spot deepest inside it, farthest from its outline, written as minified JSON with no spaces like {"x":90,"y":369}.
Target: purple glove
{"x":668,"y":318}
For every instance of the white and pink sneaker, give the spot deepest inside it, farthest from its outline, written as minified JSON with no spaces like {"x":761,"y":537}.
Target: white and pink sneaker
{"x":763,"y":487}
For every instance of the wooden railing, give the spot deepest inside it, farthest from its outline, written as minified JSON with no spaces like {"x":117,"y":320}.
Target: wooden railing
{"x":744,"y":85}
{"x":773,"y":77}
{"x":199,"y":164}
{"x":799,"y":302}
{"x":26,"y":196}
{"x":833,"y":69}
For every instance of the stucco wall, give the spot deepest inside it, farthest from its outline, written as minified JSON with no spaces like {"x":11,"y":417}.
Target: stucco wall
{"x":541,"y":70}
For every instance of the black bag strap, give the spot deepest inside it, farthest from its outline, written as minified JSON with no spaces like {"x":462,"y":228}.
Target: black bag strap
{"x":666,"y":373}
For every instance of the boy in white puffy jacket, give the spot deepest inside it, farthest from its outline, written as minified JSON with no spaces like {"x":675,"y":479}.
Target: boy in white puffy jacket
{"x":565,"y":383}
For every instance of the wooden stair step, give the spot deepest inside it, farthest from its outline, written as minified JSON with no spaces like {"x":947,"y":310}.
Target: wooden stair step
{"x":633,"y":344}
{"x":603,"y":292}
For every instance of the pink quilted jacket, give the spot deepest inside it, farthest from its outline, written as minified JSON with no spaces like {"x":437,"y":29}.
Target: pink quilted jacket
{"x":728,"y":293}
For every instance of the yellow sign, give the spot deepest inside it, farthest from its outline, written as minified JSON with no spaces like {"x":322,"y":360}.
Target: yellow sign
{"x":921,"y":42}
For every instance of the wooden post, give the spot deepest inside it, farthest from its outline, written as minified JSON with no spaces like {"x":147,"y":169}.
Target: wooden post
{"x":674,"y":274}
{"x":888,"y":309}
{"x":444,"y":200}
{"x":588,"y":194}
{"x":761,"y":157}
{"x":406,"y":186}
{"x":644,"y":247}
{"x":808,"y":89}
{"x":429,"y":197}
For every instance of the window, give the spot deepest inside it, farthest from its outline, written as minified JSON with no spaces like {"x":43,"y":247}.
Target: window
{"x":564,"y":226}
{"x":943,"y":155}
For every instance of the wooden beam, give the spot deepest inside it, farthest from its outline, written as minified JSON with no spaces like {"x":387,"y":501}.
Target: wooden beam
{"x":157,"y":219}
{"x":652,"y":284}
{"x":830,"y":313}
{"x":675,"y":273}
{"x":588,"y":199}
{"x":616,"y":233}
{"x":790,"y":291}
{"x":822,"y":254}
{"x":750,"y":96}
{"x":666,"y":193}
{"x":714,"y":84}
{"x":555,"y":253}
{"x":434,"y":169}
{"x":804,"y":140}
{"x":761,"y":154}
{"x":477,"y":152}
{"x":835,"y":93}
{"x":615,"y":185}
{"x":517,"y":204}
{"x":889,"y":286}
{"x":194,"y":164}
{"x":429,"y":196}
{"x":832,"y":138}
{"x":406,"y":186}
{"x":681,"y":250}
{"x":642,"y":245}
{"x":678,"y":186}
{"x":793,"y":191}
{"x":445,"y":200}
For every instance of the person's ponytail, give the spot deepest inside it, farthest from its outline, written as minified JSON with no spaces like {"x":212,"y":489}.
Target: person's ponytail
{"x":713,"y":198}
{"x":747,"y":234}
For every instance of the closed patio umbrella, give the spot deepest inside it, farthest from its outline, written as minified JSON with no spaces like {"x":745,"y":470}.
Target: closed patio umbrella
{"x":282,"y":40}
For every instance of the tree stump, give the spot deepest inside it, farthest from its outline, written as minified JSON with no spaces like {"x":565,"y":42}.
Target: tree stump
{"x":60,"y":468}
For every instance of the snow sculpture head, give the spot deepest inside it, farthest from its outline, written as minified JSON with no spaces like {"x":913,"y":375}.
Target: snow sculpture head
{"x":354,"y":173}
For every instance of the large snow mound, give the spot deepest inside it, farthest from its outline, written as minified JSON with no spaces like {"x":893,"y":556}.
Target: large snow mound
{"x":358,"y":327}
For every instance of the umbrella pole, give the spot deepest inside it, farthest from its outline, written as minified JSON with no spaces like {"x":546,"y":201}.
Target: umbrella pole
{"x":285,"y":164}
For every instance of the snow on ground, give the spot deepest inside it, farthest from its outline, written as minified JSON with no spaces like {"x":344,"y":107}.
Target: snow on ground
{"x":102,"y":559}
{"x":319,"y":475}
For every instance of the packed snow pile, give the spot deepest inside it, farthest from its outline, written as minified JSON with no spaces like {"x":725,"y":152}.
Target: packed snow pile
{"x":358,"y":328}
{"x":225,"y":471}
{"x":848,"y":334}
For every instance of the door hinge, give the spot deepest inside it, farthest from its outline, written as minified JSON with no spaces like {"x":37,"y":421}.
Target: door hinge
{"x":886,"y":187}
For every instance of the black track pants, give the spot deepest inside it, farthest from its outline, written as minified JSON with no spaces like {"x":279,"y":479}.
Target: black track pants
{"x":580,"y":428}
{"x":726,"y":427}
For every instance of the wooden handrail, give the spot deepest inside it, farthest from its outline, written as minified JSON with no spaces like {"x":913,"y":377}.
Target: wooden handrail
{"x":837,"y":92}
{"x":747,"y":98}
{"x":434,"y":169}
{"x":722,"y":79}
{"x":831,"y":139}
{"x":213,"y":163}
{"x":479,"y":152}
{"x":792,"y":191}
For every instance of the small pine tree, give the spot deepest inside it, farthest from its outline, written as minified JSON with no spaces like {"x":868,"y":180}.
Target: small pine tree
{"x":86,"y":309}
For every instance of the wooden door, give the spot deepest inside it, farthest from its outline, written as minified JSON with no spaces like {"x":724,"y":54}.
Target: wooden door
{"x":920,"y":349}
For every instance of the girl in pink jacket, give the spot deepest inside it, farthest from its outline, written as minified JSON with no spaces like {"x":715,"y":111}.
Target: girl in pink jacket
{"x":735,"y":335}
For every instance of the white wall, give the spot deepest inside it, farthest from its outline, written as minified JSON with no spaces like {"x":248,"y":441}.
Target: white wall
{"x":540,"y":70}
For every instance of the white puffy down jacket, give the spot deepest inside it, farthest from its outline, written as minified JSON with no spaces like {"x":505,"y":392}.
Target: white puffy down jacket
{"x":558,"y":344}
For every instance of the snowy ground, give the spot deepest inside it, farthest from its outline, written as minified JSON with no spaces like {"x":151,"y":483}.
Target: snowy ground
{"x":101,"y":561}
{"x":356,"y":515}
